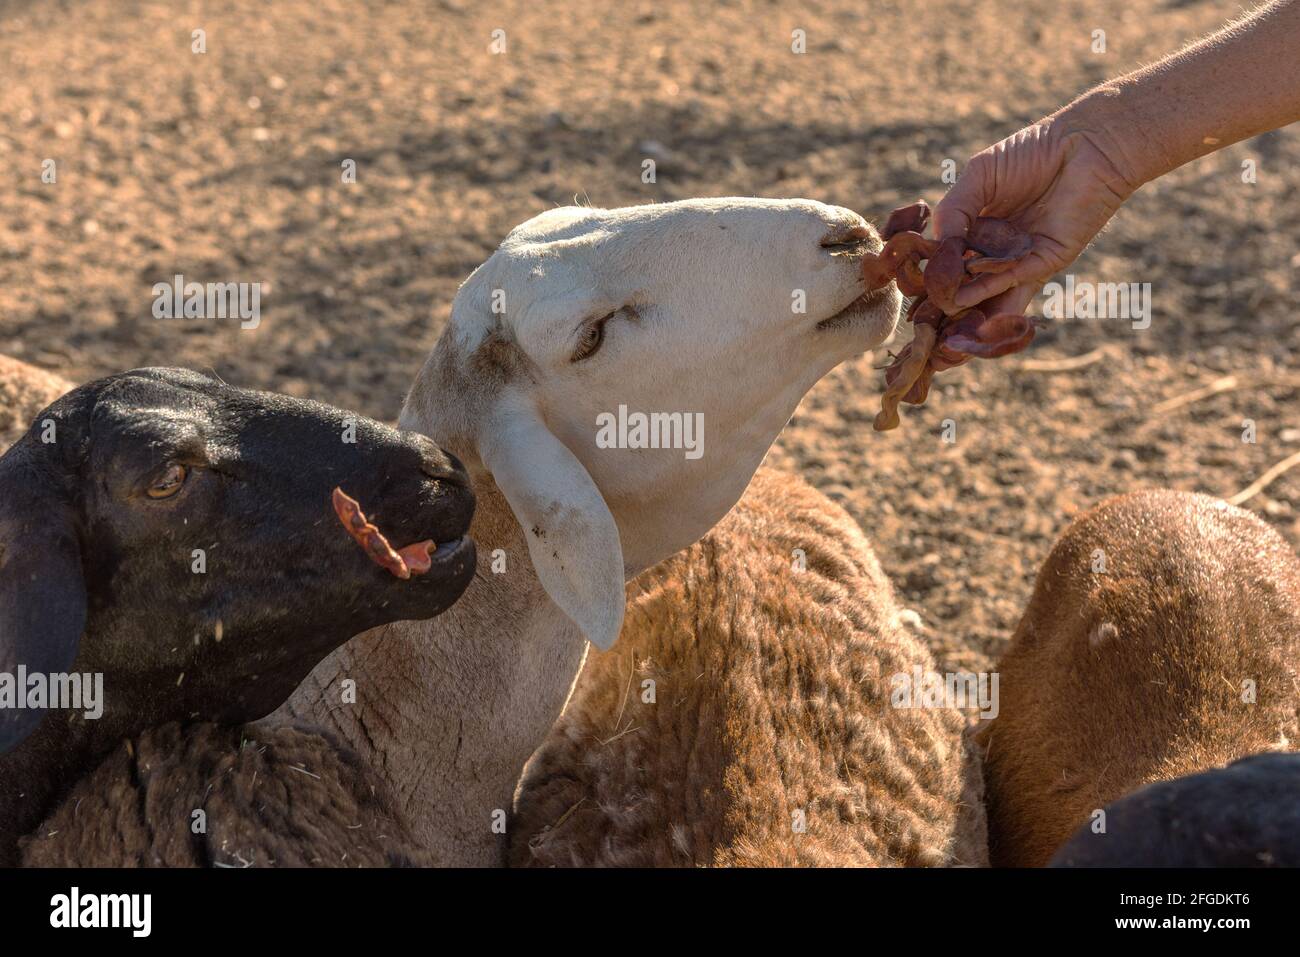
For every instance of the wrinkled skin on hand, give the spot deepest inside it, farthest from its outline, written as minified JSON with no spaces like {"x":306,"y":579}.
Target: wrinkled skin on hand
{"x":944,"y":335}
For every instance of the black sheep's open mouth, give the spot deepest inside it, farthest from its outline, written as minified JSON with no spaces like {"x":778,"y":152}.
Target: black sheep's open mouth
{"x":414,"y":559}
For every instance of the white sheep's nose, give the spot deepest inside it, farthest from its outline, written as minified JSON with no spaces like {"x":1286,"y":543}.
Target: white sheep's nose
{"x":852,"y":239}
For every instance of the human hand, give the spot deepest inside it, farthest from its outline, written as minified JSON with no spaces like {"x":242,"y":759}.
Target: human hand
{"x":1055,"y":179}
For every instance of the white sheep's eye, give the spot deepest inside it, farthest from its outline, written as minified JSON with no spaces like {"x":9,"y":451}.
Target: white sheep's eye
{"x":169,"y":482}
{"x":593,"y":336}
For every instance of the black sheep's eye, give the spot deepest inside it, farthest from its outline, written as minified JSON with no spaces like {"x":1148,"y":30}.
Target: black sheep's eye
{"x":169,"y":482}
{"x":593,"y":336}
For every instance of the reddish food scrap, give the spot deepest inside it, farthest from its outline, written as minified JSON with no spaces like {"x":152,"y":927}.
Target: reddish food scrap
{"x":912,"y":219}
{"x":901,"y":260}
{"x":944,"y":335}
{"x":945,"y":273}
{"x":410,"y":560}
{"x":988,"y":337}
{"x":999,"y":239}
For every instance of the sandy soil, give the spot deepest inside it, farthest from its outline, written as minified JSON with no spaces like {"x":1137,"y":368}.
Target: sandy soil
{"x":225,"y":165}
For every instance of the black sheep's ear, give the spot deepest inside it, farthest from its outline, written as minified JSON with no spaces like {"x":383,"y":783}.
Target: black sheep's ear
{"x":42,"y":590}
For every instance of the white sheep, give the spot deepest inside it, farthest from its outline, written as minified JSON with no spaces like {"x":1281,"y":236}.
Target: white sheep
{"x":720,"y":312}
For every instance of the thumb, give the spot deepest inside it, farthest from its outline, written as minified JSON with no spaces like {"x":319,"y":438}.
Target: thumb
{"x":1029,"y":273}
{"x":1015,"y":300}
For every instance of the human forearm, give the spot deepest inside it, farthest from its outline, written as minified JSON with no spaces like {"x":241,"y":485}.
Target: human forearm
{"x":1234,"y":84}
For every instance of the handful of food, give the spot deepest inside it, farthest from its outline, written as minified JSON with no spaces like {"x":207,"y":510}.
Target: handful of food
{"x":943,"y":334}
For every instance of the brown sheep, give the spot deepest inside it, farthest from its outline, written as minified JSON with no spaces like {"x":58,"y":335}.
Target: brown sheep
{"x":770,"y":738}
{"x":1161,"y":639}
{"x":24,"y":391}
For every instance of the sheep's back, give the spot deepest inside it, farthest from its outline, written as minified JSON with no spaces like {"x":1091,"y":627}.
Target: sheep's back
{"x":289,"y":798}
{"x":1161,"y":639}
{"x":744,"y":718}
{"x":24,"y":391}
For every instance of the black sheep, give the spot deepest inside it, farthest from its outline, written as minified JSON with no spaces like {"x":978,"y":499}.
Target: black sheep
{"x":1244,"y":815}
{"x":175,"y":535}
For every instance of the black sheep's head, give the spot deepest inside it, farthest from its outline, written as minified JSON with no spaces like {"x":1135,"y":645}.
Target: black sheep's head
{"x":176,"y":534}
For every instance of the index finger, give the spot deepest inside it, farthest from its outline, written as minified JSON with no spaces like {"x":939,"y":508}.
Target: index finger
{"x":966,"y":200}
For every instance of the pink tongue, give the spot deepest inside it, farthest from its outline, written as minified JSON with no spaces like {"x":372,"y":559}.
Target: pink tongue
{"x":417,"y":556}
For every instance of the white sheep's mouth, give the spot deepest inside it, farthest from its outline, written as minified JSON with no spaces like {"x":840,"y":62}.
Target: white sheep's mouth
{"x":868,"y":304}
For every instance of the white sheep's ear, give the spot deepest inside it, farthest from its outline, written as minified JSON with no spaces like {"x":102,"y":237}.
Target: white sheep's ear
{"x":572,"y":538}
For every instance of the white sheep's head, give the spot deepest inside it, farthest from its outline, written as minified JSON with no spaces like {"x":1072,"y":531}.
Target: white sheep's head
{"x":590,"y":333}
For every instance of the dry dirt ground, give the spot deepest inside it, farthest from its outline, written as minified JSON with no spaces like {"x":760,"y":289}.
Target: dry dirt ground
{"x":225,"y":165}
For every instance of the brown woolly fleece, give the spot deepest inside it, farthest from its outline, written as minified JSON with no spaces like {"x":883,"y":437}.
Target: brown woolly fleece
{"x":769,"y":739}
{"x":24,"y":391}
{"x":291,"y":798}
{"x":1153,"y":620}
